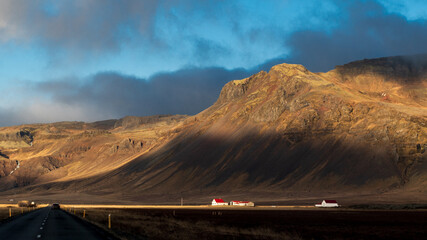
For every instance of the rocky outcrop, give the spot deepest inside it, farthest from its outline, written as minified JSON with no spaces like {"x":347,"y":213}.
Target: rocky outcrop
{"x":400,"y":69}
{"x":130,"y":122}
{"x":25,"y":135}
{"x":127,"y":145}
{"x":6,"y":166}
{"x":2,"y":155}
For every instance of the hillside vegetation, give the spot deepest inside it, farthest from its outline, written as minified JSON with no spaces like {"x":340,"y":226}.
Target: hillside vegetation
{"x":286,"y":134}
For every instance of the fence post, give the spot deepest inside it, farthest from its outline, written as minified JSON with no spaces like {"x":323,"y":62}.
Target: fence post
{"x":84,"y":213}
{"x":109,"y":221}
{"x":10,"y":212}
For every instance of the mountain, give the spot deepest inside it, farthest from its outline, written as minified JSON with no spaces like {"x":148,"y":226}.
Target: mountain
{"x":358,"y":133}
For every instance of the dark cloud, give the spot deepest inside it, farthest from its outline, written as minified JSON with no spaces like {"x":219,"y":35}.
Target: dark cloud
{"x":79,"y":25}
{"x":190,"y":32}
{"x":109,"y":95}
{"x":72,"y":29}
{"x":367,"y":30}
{"x":362,"y":29}
{"x":187,"y":91}
{"x":206,"y":50}
{"x":79,"y":28}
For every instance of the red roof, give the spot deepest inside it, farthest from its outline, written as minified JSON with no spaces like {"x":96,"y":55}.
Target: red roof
{"x":218,"y":200}
{"x":330,"y":201}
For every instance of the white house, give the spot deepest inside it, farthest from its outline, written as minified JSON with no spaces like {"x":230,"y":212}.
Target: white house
{"x":242,"y":203}
{"x":327,"y":203}
{"x":218,"y":202}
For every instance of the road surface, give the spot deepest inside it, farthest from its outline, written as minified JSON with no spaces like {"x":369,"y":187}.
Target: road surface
{"x":47,"y":223}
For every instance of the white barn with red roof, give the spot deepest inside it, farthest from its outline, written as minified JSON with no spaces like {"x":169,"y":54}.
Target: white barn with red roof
{"x":218,"y":202}
{"x":327,"y":203}
{"x":242,"y":203}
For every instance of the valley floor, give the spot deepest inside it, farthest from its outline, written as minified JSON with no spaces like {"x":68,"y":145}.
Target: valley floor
{"x":285,"y":198}
{"x":223,"y":223}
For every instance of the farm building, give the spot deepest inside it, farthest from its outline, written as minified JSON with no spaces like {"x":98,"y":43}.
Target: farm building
{"x":26,"y":203}
{"x":218,"y":202}
{"x":327,"y":203}
{"x":242,"y":203}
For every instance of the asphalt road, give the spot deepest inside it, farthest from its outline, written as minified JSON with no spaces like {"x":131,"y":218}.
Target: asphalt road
{"x":47,"y":223}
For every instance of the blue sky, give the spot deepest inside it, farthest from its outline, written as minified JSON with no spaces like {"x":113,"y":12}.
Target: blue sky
{"x":85,"y":60}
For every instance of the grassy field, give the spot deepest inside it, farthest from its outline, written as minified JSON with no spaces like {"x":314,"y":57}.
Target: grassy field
{"x":175,"y":224}
{"x":389,"y":206}
{"x":202,"y":207}
{"x":12,"y":210}
{"x":223,"y":223}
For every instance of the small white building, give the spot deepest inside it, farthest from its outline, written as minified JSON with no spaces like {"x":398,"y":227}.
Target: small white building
{"x":242,"y":203}
{"x":218,"y":202}
{"x":327,"y":203}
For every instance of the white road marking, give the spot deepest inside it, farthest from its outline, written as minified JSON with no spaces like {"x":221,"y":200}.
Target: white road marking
{"x":42,"y":223}
{"x":39,"y":236}
{"x":41,"y":228}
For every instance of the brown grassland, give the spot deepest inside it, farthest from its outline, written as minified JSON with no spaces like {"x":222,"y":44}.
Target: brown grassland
{"x":246,"y":223}
{"x":162,"y":223}
{"x":14,"y":211}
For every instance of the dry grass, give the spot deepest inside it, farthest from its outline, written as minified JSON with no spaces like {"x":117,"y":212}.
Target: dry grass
{"x":13,"y":144}
{"x":141,"y":225}
{"x":14,"y":210}
{"x":222,"y":223}
{"x":390,"y":206}
{"x":117,"y":206}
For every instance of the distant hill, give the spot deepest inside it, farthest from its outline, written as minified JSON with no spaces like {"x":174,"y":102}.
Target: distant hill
{"x":285,"y":135}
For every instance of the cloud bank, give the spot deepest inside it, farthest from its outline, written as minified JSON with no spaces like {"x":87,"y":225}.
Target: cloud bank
{"x":222,"y":40}
{"x":367,"y":30}
{"x":111,"y":95}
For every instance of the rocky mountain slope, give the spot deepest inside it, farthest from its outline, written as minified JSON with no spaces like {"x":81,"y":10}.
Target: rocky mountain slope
{"x":289,"y":133}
